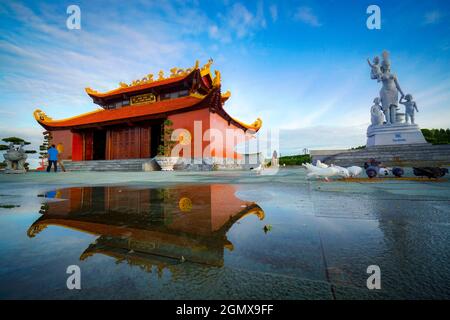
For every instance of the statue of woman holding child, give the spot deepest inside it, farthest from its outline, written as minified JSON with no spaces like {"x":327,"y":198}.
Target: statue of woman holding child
{"x":390,"y":88}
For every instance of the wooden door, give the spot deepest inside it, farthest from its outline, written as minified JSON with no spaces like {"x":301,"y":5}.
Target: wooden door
{"x":129,"y":143}
{"x":144,"y":142}
{"x":88,"y":145}
{"x":134,"y":149}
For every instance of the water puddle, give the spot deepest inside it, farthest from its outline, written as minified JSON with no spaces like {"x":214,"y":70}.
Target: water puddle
{"x":141,"y":225}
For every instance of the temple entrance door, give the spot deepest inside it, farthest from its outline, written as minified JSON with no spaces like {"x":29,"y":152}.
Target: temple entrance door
{"x":99,"y":145}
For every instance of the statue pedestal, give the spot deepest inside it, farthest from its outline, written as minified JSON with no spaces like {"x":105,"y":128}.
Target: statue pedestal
{"x":394,"y":134}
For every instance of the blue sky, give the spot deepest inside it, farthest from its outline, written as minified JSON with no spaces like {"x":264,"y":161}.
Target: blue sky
{"x":299,"y":65}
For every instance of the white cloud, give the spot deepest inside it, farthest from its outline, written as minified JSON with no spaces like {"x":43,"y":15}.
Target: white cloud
{"x":213,"y":31}
{"x":321,"y":137}
{"x":293,"y":141}
{"x":60,"y":63}
{"x":241,"y":22}
{"x":432,"y":17}
{"x":273,"y":9}
{"x":306,"y":15}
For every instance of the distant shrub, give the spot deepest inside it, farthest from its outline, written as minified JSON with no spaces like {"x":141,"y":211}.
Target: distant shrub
{"x":295,"y":160}
{"x":437,"y":136}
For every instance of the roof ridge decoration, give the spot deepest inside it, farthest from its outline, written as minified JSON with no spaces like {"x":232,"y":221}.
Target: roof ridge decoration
{"x":216,"y":80}
{"x":206,"y":67}
{"x":150,"y":78}
{"x":256,"y":125}
{"x":45,"y":120}
{"x":42,"y":118}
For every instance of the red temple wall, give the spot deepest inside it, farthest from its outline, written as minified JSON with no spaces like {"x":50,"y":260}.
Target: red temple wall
{"x":226,"y":148}
{"x":217,"y":147}
{"x":186,"y":121}
{"x":64,"y":137}
{"x":220,"y":147}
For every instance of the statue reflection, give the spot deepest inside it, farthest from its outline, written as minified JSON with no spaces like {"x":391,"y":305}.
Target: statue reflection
{"x":149,"y":227}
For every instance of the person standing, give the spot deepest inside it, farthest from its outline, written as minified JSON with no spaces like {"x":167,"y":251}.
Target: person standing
{"x":60,"y":149}
{"x":52,"y":158}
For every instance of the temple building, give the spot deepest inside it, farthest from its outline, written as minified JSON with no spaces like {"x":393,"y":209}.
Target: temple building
{"x":130,"y":123}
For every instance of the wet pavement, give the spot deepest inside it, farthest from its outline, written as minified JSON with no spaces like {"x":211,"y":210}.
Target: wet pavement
{"x":222,"y":235}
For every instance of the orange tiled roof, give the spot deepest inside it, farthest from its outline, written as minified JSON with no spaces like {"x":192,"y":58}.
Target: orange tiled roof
{"x":101,"y":117}
{"x":124,"y":113}
{"x":121,"y":90}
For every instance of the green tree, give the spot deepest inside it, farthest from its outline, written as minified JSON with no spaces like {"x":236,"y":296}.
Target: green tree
{"x":294,"y":160}
{"x":45,"y":144}
{"x":15,"y":140}
{"x":167,"y":144}
{"x":437,"y":136}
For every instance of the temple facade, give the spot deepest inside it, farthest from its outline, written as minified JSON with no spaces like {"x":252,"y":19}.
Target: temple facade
{"x":130,"y":123}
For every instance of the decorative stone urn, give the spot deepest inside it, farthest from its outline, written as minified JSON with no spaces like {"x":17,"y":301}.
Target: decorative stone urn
{"x":166,"y":163}
{"x":15,"y":159}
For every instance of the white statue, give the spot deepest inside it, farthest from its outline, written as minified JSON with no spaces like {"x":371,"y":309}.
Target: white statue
{"x":15,"y":159}
{"x":389,"y":91}
{"x":376,"y":113}
{"x":274,"y":162}
{"x":375,"y":73}
{"x":399,"y":127}
{"x":410,"y":107}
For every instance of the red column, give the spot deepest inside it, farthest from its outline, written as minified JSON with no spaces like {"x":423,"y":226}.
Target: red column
{"x":77,"y":146}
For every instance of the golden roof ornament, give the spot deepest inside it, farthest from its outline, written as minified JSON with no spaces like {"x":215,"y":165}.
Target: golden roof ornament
{"x":90,"y":91}
{"x":174,"y":72}
{"x":208,"y":64}
{"x":216,"y":80}
{"x":206,"y":68}
{"x":161,"y":75}
{"x":41,"y":116}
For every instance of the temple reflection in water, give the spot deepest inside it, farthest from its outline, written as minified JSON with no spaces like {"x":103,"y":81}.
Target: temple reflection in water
{"x":150,"y":226}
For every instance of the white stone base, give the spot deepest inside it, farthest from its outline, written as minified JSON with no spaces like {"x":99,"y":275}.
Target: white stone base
{"x":394,"y":134}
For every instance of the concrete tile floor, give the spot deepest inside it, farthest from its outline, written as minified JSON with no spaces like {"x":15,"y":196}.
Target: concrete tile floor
{"x":323,"y":238}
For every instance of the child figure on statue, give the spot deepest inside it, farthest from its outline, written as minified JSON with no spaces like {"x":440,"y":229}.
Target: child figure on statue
{"x":376,"y":113}
{"x":375,"y":73}
{"x":410,"y":107}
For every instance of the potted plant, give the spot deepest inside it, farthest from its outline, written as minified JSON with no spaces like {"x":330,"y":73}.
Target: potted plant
{"x":164,"y":158}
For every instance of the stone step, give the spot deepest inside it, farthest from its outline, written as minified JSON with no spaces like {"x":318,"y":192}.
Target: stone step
{"x":404,"y":155}
{"x":110,"y":165}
